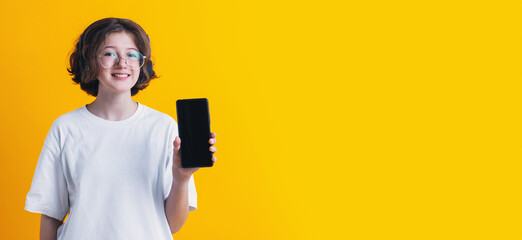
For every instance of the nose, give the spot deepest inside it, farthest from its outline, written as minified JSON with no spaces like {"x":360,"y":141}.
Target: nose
{"x":120,"y":62}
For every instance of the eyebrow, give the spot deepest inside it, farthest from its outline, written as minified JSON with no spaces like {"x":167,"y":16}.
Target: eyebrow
{"x":116,"y":47}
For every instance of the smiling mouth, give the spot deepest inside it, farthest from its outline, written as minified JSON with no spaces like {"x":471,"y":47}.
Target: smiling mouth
{"x":120,"y":75}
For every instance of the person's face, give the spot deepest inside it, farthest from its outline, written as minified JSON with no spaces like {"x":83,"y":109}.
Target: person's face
{"x":122,"y":76}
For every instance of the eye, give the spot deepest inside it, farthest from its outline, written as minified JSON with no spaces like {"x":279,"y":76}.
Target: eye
{"x":134,"y":55}
{"x":110,"y":54}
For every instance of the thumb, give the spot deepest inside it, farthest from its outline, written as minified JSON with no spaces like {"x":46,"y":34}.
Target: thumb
{"x":177,"y":144}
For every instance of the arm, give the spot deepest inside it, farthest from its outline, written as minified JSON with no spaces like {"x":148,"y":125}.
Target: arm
{"x":48,"y":227}
{"x":176,"y":205}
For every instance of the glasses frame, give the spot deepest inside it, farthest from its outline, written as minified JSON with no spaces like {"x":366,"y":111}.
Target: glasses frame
{"x":118,"y":62}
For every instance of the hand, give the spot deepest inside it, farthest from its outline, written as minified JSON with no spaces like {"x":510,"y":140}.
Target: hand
{"x":183,"y":174}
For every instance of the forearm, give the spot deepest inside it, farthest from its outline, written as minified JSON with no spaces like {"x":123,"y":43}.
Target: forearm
{"x":176,"y":205}
{"x":49,"y":227}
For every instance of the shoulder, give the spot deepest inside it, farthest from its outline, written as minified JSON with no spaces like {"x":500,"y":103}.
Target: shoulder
{"x":160,"y":123}
{"x":68,"y":119}
{"x":157,"y":116}
{"x":61,"y":127}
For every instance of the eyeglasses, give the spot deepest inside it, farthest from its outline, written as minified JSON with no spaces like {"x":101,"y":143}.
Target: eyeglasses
{"x":111,"y":59}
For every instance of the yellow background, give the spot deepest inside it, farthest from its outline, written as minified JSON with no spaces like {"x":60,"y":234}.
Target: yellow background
{"x":335,"y":119}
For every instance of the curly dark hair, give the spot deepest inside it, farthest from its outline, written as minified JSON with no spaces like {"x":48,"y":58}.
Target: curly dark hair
{"x":84,"y":66}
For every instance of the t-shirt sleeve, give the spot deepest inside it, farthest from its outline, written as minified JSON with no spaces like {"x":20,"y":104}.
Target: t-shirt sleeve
{"x":48,"y":194}
{"x":192,"y":195}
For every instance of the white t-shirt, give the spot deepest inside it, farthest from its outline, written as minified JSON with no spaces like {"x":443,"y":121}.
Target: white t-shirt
{"x":111,"y":176}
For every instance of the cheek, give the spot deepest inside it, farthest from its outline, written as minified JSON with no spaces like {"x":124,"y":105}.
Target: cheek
{"x":103,"y":73}
{"x":136,"y":75}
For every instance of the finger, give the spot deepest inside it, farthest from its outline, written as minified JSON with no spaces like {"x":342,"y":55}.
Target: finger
{"x":213,"y":135}
{"x":212,"y":149}
{"x":177,"y":144}
{"x":212,"y":141}
{"x":214,"y":159}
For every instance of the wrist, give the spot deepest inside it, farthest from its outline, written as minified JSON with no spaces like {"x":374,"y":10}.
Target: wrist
{"x":179,"y":186}
{"x":180,"y":179}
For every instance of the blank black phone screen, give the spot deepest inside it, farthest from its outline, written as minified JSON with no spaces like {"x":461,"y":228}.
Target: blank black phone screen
{"x":194,"y":131}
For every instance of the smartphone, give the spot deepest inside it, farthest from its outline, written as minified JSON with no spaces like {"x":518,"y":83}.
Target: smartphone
{"x":194,"y":131}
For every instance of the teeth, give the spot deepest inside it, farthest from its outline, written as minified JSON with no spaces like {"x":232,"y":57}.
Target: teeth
{"x":121,"y":75}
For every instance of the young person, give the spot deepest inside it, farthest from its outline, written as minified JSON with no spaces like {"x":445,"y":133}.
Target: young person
{"x":113,"y":164}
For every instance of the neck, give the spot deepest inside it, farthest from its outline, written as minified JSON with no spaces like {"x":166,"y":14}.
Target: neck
{"x":113,"y":107}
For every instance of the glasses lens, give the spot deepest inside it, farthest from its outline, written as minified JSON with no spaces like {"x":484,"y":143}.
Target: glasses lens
{"x":109,"y":59}
{"x":133,"y":59}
